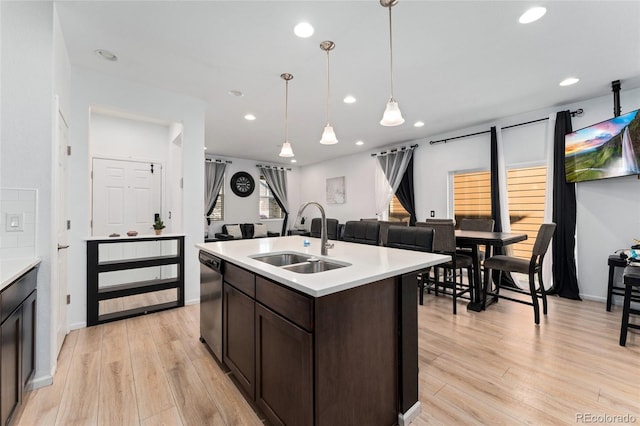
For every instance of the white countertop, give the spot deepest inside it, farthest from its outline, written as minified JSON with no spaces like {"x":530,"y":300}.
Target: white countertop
{"x":11,"y":269}
{"x":368,"y":263}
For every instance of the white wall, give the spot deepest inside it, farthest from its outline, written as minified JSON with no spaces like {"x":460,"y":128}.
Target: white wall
{"x":607,"y":217}
{"x":26,"y":133}
{"x":246,"y":209}
{"x":90,"y":90}
{"x":359,"y":177}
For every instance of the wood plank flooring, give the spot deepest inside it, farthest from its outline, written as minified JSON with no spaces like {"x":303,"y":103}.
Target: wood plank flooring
{"x":494,"y":367}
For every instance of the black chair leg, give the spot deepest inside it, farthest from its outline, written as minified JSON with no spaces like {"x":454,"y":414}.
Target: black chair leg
{"x":625,"y":315}
{"x":543,"y":293}
{"x":454,"y":290}
{"x":610,"y":287}
{"x":534,"y":298}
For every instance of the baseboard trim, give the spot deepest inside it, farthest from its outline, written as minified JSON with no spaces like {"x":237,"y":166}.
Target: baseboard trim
{"x":408,"y":416}
{"x":39,"y":382}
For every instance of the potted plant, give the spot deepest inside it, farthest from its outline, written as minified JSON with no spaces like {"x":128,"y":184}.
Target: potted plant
{"x":158,"y":226}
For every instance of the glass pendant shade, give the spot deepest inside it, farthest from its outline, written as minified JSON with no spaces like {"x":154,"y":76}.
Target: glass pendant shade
{"x":392,"y":115}
{"x":286,"y":150}
{"x":328,"y":136}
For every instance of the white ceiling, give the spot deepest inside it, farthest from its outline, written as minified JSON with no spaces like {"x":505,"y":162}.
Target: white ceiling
{"x":456,"y":63}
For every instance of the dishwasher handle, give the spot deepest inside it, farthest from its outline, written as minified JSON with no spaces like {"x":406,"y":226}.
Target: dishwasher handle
{"x":211,"y":262}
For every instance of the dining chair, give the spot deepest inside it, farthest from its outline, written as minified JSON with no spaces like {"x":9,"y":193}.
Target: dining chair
{"x":361,"y":231}
{"x":316,"y":228}
{"x":412,"y":238}
{"x":531,"y":267}
{"x":444,"y":242}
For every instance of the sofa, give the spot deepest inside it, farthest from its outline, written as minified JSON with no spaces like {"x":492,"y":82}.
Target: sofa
{"x":243,"y":231}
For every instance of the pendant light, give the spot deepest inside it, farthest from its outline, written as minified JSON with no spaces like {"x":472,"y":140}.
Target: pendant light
{"x":392,"y":115}
{"x":286,"y":150}
{"x":328,"y":136}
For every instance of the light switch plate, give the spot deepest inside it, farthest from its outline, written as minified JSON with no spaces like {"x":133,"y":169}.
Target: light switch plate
{"x":14,"y":222}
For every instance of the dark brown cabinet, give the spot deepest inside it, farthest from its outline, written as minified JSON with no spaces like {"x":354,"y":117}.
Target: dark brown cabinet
{"x":239,"y":337}
{"x":10,"y":372}
{"x":331,"y":360}
{"x":284,"y":369}
{"x":17,"y":342}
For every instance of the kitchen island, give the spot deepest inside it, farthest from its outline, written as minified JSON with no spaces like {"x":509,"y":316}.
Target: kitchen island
{"x":337,"y":347}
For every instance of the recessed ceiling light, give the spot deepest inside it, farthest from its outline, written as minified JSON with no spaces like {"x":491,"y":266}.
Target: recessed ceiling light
{"x":294,"y":160}
{"x":105,"y":54}
{"x":236,"y":93}
{"x":303,"y":30}
{"x":569,"y":81}
{"x":359,"y":143}
{"x":532,"y":15}
{"x":250,"y":117}
{"x":349,"y":99}
{"x":418,"y":124}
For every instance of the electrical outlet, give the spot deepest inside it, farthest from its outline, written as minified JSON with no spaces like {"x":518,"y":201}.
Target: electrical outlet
{"x":433,"y":213}
{"x":14,"y":222}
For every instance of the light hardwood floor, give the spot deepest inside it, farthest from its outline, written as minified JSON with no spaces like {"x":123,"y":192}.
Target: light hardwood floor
{"x":494,"y":367}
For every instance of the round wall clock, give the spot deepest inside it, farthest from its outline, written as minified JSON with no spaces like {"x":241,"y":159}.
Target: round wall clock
{"x":242,"y":184}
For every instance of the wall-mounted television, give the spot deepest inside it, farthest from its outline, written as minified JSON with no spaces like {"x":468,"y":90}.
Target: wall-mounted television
{"x":604,"y":150}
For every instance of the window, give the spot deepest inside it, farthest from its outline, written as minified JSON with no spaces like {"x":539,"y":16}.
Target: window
{"x":397,"y":212}
{"x":269,"y":208}
{"x":218,"y":210}
{"x":526,"y":188}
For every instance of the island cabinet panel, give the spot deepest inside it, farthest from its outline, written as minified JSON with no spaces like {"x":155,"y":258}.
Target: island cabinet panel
{"x":356,"y":356}
{"x":17,"y":342}
{"x":241,"y":279}
{"x":10,"y":372}
{"x":294,"y":306}
{"x":239,"y":337}
{"x":284,"y":369}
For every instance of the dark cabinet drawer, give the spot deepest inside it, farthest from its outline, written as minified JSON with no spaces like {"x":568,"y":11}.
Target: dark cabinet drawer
{"x":241,"y":279}
{"x":296,"y":307}
{"x":19,"y":290}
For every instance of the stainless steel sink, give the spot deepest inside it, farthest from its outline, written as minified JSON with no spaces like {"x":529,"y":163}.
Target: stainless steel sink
{"x":313,"y":266}
{"x":298,"y":262}
{"x":282,"y":259}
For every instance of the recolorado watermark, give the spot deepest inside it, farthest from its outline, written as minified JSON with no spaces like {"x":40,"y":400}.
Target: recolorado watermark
{"x":605,"y":418}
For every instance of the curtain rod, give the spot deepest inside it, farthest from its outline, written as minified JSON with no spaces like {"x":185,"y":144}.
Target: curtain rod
{"x":578,"y":112}
{"x":217,"y":160}
{"x":274,"y":167}
{"x":392,"y":150}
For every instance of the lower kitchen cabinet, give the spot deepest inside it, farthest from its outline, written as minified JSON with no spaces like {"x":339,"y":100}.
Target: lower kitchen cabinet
{"x":284,"y":369}
{"x":239,"y":337}
{"x":17,"y":342}
{"x":10,"y":372}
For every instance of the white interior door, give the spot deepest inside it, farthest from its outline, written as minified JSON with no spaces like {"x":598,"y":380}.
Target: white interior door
{"x":61,"y":289}
{"x":126,"y":196}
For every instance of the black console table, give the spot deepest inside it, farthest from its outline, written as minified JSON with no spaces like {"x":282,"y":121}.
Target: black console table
{"x":121,"y":269}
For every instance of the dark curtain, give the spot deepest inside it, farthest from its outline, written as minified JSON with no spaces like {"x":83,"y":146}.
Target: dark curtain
{"x":405,"y":193}
{"x":277,"y":182}
{"x":213,"y":178}
{"x":496,"y":214}
{"x":565,"y":279}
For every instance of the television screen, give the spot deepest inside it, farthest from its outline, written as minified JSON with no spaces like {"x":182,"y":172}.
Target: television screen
{"x":604,"y":150}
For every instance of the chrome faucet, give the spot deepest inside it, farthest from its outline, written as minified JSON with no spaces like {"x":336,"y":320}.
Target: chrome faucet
{"x":324,"y":245}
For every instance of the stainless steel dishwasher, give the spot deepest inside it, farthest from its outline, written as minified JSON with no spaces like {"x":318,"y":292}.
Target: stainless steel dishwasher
{"x":211,"y":270}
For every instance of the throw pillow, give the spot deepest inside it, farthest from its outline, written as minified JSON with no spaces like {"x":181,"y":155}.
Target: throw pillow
{"x":259,"y":230}
{"x":234,"y":231}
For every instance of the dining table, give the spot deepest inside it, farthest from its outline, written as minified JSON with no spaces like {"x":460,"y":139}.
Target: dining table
{"x":473,"y":239}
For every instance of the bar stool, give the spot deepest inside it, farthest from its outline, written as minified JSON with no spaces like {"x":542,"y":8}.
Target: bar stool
{"x":632,"y":282}
{"x":615,"y":261}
